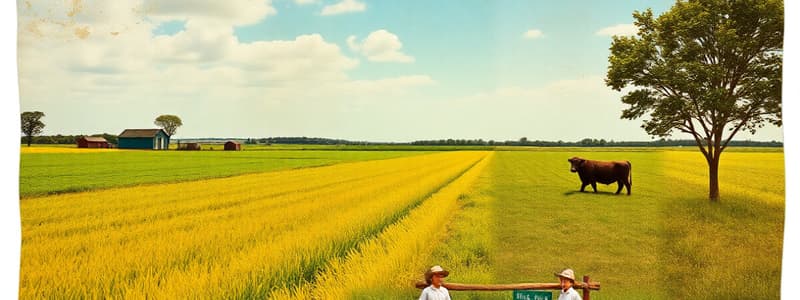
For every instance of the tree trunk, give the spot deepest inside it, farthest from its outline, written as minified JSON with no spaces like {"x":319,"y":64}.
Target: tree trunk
{"x":30,"y":138}
{"x":713,"y":178}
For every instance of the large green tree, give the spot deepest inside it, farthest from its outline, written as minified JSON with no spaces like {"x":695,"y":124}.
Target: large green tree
{"x":32,"y":124}
{"x":170,"y":123}
{"x":709,"y":68}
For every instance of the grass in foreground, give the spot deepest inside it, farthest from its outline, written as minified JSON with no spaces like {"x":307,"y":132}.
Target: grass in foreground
{"x":666,"y":241}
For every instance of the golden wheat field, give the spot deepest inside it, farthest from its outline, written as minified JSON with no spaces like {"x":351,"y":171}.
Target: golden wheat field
{"x":251,"y":236}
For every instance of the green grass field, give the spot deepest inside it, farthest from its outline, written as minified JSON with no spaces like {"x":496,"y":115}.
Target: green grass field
{"x":665,"y":241}
{"x":525,"y":219}
{"x":49,"y":173}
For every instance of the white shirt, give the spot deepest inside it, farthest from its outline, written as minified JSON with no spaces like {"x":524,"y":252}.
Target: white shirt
{"x":432,"y":293}
{"x":570,"y":294}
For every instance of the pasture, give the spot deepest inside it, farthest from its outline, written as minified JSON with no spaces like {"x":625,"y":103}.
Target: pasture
{"x":369,"y":228}
{"x":527,"y":220}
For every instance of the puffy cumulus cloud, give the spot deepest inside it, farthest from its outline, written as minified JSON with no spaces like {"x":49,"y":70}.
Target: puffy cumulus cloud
{"x":307,"y":57}
{"x":304,"y":2}
{"x":345,"y":6}
{"x":533,"y":34}
{"x":380,"y":46}
{"x":117,"y":63}
{"x":619,"y":29}
{"x":201,"y":41}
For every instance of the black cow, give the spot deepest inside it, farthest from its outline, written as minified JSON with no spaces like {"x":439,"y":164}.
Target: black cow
{"x":605,"y":172}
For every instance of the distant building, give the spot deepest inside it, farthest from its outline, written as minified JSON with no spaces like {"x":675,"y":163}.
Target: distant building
{"x":92,"y":142}
{"x":156,"y":139}
{"x":189,"y":146}
{"x":233,"y":146}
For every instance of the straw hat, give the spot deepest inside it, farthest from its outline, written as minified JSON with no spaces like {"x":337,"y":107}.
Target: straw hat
{"x":436,"y":270}
{"x":566,"y":273}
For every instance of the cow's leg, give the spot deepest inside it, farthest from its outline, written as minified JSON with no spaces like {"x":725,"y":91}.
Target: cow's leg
{"x":594,"y":186}
{"x":619,"y":187}
{"x":583,"y":186}
{"x":628,"y":187}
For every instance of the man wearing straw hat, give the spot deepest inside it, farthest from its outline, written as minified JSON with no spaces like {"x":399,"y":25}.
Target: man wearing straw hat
{"x":435,"y":291}
{"x":567,"y":278}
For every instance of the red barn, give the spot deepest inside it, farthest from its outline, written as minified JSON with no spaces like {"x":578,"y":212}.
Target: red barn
{"x":231,"y":145}
{"x":92,"y":142}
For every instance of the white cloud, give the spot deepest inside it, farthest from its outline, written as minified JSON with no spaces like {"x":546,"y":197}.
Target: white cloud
{"x":345,"y":6}
{"x":380,"y":46}
{"x":203,"y":71}
{"x":532,"y":34}
{"x":304,"y":2}
{"x":619,"y":29}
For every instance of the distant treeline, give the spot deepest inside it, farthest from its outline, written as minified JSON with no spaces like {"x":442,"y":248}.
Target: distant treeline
{"x":306,"y":141}
{"x":587,"y":142}
{"x":66,"y":139}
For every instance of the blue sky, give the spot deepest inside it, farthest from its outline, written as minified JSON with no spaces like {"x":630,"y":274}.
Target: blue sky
{"x":471,"y":44}
{"x":352,"y":69}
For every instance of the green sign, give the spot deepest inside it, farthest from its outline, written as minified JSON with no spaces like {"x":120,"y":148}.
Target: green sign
{"x":533,"y":295}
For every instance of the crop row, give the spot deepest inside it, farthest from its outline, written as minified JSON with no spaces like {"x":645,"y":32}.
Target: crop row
{"x":237,"y":237}
{"x":396,"y":258}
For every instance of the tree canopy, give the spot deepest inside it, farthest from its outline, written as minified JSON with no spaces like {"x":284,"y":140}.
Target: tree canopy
{"x":32,"y":124}
{"x":709,"y":68}
{"x":169,"y":123}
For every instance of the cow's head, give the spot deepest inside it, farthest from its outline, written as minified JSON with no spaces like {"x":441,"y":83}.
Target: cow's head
{"x":576,"y":163}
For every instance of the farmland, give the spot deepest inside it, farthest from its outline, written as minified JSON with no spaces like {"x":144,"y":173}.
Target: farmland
{"x":665,"y":241}
{"x":366,"y":224}
{"x":233,"y":237}
{"x":51,"y":170}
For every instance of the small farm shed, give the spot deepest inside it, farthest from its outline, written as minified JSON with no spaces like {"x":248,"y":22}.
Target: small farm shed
{"x":92,"y":142}
{"x":231,"y":145}
{"x":156,"y":139}
{"x":189,"y":146}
